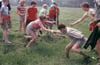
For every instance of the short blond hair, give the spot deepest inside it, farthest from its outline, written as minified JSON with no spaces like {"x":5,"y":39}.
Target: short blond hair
{"x":45,"y":5}
{"x":21,"y":1}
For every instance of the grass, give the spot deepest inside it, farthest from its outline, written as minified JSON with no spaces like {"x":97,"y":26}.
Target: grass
{"x":43,"y":51}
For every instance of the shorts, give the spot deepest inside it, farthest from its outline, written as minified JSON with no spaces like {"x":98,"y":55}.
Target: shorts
{"x":22,"y":18}
{"x":30,"y":29}
{"x":28,"y":21}
{"x":5,"y":25}
{"x":78,"y":41}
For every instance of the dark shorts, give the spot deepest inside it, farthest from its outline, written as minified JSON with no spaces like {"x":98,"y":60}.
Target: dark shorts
{"x":28,"y":21}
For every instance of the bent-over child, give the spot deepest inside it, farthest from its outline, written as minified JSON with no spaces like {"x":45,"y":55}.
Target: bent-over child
{"x":34,"y":27}
{"x":77,"y":38}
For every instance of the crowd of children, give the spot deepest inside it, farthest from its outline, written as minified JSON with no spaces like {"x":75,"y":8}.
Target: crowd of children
{"x":32,"y":23}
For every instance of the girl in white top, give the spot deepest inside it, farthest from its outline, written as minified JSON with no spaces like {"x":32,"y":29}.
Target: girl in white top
{"x":44,"y":10}
{"x":89,"y":12}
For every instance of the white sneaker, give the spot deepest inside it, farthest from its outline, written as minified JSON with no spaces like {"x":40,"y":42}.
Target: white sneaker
{"x":7,"y":42}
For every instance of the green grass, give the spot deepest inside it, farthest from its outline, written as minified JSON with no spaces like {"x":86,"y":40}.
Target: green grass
{"x":43,"y":51}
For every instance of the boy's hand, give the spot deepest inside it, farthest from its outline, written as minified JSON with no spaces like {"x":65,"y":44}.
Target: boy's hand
{"x":98,"y":24}
{"x":21,"y":14}
{"x":71,"y":25}
{"x":53,"y":31}
{"x":91,"y":23}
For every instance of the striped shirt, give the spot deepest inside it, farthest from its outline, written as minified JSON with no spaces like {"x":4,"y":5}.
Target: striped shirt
{"x":21,"y":9}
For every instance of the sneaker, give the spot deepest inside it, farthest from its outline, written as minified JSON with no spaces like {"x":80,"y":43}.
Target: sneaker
{"x":7,"y":42}
{"x":95,"y":58}
{"x":67,"y":55}
{"x":86,"y":60}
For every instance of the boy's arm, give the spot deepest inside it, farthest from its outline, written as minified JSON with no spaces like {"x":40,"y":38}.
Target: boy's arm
{"x":50,"y":22}
{"x":78,"y":21}
{"x":17,"y":12}
{"x":26,"y":14}
{"x":43,"y":28}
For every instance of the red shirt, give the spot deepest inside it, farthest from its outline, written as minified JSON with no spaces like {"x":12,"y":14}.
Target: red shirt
{"x":32,"y":13}
{"x":52,"y":13}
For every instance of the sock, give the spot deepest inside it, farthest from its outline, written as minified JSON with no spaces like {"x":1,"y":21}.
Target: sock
{"x":67,"y":55}
{"x":82,"y":53}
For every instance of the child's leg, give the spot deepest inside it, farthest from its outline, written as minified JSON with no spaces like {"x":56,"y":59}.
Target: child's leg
{"x":28,"y":37}
{"x":34,"y":37}
{"x":98,"y":48}
{"x":51,"y":35}
{"x":76,"y":49}
{"x":5,"y":36}
{"x":68,"y":47}
{"x":24,"y":27}
{"x":20,"y":26}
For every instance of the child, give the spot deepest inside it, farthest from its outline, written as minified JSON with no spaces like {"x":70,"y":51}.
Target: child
{"x":5,"y":20}
{"x":56,"y":17}
{"x":31,"y":13}
{"x":44,"y":10}
{"x":34,"y":27}
{"x":77,"y":37}
{"x":52,"y":13}
{"x":21,"y":12}
{"x":94,"y":38}
{"x":89,"y":12}
{"x":9,"y":7}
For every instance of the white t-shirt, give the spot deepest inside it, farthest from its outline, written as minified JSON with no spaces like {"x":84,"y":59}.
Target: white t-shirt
{"x":90,"y":13}
{"x":72,"y":33}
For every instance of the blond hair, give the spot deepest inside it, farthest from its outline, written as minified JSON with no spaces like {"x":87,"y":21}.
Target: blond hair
{"x":21,"y":1}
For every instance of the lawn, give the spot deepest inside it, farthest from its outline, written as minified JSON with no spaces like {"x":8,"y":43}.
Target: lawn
{"x":44,"y":51}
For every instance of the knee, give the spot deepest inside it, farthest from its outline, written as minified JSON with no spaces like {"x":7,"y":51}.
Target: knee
{"x":73,"y":49}
{"x":67,"y":47}
{"x":35,"y":38}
